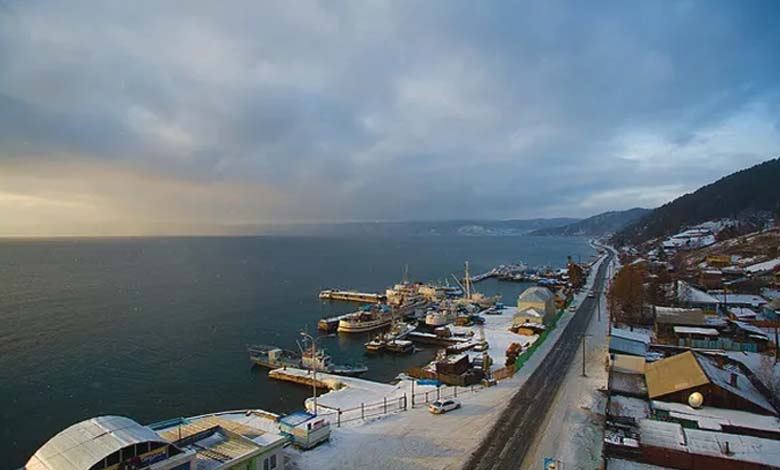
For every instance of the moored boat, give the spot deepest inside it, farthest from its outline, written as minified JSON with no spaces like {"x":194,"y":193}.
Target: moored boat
{"x":367,"y":319}
{"x":273,"y":357}
{"x":399,"y":346}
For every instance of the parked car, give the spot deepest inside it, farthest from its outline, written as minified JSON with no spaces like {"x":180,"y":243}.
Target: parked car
{"x":591,"y":295}
{"x":573,"y":308}
{"x":442,"y":406}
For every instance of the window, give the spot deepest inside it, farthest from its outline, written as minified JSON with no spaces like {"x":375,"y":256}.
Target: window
{"x":273,"y":461}
{"x":265,"y":465}
{"x":113,"y":459}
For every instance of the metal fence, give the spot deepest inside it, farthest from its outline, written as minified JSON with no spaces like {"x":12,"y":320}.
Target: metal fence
{"x":396,"y":404}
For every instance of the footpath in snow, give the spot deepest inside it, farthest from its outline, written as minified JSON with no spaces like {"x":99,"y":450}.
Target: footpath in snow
{"x":414,"y":438}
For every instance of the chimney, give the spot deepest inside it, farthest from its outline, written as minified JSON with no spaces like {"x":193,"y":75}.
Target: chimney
{"x":733,"y":380}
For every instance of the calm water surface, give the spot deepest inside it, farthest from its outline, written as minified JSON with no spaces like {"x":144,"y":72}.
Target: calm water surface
{"x":154,"y":328}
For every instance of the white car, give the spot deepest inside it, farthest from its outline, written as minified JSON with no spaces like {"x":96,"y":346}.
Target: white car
{"x":442,"y":406}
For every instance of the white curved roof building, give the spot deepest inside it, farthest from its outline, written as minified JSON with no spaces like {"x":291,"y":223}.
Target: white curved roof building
{"x":105,"y":442}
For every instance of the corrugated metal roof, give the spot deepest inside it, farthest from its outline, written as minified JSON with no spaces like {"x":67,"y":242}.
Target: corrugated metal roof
{"x":536,"y":294}
{"x":661,"y":434}
{"x":627,"y":346}
{"x":674,"y":373}
{"x":84,"y":444}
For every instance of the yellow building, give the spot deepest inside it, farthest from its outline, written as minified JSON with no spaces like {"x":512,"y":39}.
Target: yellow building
{"x":539,"y":300}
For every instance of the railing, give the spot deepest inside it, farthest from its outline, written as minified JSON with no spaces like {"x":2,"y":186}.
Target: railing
{"x":397,"y":404}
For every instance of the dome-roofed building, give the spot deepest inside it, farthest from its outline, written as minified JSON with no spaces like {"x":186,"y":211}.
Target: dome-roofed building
{"x":109,"y":442}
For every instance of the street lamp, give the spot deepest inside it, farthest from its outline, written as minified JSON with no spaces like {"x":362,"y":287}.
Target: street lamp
{"x":313,"y":342}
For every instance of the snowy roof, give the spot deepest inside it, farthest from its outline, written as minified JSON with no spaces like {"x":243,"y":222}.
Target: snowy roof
{"x":740,"y":299}
{"x":680,"y":316}
{"x":763,"y":267}
{"x":692,"y":295}
{"x":620,"y":464}
{"x":661,"y":434}
{"x":722,"y":378}
{"x":536,"y":294}
{"x":740,"y":448}
{"x":297,"y":418}
{"x":627,"y":384}
{"x":618,"y":344}
{"x":631,"y":335}
{"x":749,"y":328}
{"x":770,"y":293}
{"x":628,"y":407}
{"x":715,"y":418}
{"x":742,"y":312}
{"x":84,"y":444}
{"x":692,"y":330}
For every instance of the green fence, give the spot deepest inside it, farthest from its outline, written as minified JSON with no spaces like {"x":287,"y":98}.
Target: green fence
{"x":526,"y":355}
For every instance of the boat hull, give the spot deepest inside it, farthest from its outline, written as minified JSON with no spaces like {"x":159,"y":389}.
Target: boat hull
{"x":346,"y":326}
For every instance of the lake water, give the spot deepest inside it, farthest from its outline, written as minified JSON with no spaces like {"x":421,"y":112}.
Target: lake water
{"x":155,"y":328}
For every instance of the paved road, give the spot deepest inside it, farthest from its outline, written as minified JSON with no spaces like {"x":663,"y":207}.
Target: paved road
{"x":507,"y":443}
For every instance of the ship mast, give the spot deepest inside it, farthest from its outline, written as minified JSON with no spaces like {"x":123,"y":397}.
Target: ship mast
{"x":468,"y":282}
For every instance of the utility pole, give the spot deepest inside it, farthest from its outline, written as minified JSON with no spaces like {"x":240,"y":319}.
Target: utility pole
{"x":313,"y":367}
{"x":583,"y":354}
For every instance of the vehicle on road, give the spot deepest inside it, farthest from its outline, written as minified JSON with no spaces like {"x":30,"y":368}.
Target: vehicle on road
{"x":591,"y":295}
{"x":443,"y":406}
{"x":573,"y":308}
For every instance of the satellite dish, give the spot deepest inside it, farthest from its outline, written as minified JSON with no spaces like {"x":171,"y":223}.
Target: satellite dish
{"x":696,"y":399}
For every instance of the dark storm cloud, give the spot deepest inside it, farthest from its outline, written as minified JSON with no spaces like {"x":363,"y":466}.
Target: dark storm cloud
{"x":258,"y":111}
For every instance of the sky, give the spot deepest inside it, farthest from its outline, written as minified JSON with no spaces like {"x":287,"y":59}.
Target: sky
{"x":189,"y":117}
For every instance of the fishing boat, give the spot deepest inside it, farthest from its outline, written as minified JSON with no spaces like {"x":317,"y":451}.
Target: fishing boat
{"x":331,"y":324}
{"x":376,"y":345}
{"x":399,"y":346}
{"x":367,"y":319}
{"x":439,"y":317}
{"x":273,"y":357}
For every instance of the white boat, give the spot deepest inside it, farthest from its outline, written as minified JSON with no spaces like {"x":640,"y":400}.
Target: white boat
{"x":438,"y":318}
{"x":366,"y":320}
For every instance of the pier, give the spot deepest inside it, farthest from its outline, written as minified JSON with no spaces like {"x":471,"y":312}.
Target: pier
{"x":352,"y":296}
{"x":305,"y":377}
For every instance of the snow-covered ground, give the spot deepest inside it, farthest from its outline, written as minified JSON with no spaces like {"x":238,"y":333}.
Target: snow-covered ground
{"x":573,"y":430}
{"x":417,"y":439}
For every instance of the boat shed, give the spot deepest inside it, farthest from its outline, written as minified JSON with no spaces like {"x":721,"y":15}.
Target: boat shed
{"x":108,"y":442}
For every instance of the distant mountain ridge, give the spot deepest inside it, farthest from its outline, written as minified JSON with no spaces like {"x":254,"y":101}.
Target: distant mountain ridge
{"x":454,"y":227}
{"x":746,"y":193}
{"x":598,"y":225}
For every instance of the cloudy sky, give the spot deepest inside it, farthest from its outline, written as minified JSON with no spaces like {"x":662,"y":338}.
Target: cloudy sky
{"x":138,"y":117}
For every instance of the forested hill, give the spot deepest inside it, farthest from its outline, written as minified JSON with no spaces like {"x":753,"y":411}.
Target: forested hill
{"x":597,"y":225}
{"x":744,"y":193}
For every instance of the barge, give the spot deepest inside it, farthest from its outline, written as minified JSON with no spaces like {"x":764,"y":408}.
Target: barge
{"x":352,"y":296}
